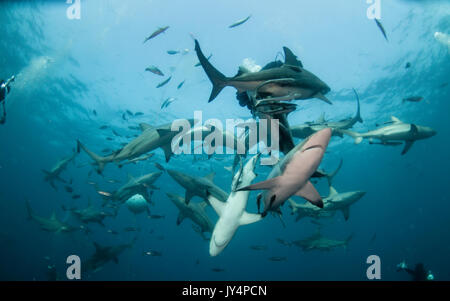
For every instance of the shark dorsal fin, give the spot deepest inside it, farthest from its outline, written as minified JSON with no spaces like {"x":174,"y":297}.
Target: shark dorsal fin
{"x":321,"y":118}
{"x":211,"y":176}
{"x":290,"y":58}
{"x":332,"y":191}
{"x":145,"y":126}
{"x":395,"y":119}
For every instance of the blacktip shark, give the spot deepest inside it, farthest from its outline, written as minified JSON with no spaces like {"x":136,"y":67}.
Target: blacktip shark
{"x":304,"y":130}
{"x":274,"y":80}
{"x":51,"y":224}
{"x":193,"y":211}
{"x":232,"y":213}
{"x":198,"y":186}
{"x":333,"y":202}
{"x":291,"y":176}
{"x":60,"y":166}
{"x":89,"y":214}
{"x":150,"y":139}
{"x":103,"y":255}
{"x":394,"y":133}
{"x":318,"y":242}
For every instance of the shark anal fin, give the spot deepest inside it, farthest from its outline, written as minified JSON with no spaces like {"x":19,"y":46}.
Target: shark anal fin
{"x":217,"y":205}
{"x":310,"y":193}
{"x":249,"y":218}
{"x":408,"y":145}
{"x":264,"y":185}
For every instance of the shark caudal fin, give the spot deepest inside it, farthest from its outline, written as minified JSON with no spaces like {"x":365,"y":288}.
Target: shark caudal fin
{"x":334,"y":173}
{"x":357,"y":136}
{"x":218,"y":80}
{"x":358,"y":111}
{"x":99,"y":161}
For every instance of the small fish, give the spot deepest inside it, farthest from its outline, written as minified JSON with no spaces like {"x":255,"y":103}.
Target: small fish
{"x":132,"y":229}
{"x":138,"y":114}
{"x":217,"y":270}
{"x":380,"y":26}
{"x":180,"y":85}
{"x":275,"y":258}
{"x":91,"y":183}
{"x":413,"y":99}
{"x":408,"y":65}
{"x":113,"y":232}
{"x":103,"y":127}
{"x":124,"y":117}
{"x":154,"y":70}
{"x":239,"y":22}
{"x":76,"y":196}
{"x":116,"y":134}
{"x":443,"y":85}
{"x":258,"y":248}
{"x":199,"y":64}
{"x":159,"y":166}
{"x":152,"y":253}
{"x":167,"y":102}
{"x":68,"y":189}
{"x":106,"y":150}
{"x":112,"y":181}
{"x":129,"y":112}
{"x":47,"y":258}
{"x":283,"y":242}
{"x":164,"y":82}
{"x":109,"y":139}
{"x":104,"y":193}
{"x":94,"y":112}
{"x":172,"y":52}
{"x":155,"y":216}
{"x":156,"y":33}
{"x":134,"y":128}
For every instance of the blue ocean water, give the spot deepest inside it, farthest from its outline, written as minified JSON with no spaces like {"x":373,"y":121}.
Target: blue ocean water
{"x":67,"y":68}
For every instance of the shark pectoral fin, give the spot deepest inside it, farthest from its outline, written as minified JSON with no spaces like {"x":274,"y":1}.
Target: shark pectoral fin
{"x":310,"y":193}
{"x":323,"y":97}
{"x":163,"y":132}
{"x":249,"y":218}
{"x":180,"y":218}
{"x":408,"y":145}
{"x":265,"y":185}
{"x":346,"y":213}
{"x":167,"y":151}
{"x":217,"y":205}
{"x":395,"y":120}
{"x":414,"y":130}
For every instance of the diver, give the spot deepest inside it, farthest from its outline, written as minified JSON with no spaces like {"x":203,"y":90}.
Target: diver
{"x":4,"y":90}
{"x":418,"y":274}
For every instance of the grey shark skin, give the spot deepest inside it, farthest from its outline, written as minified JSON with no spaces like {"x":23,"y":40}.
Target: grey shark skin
{"x":393,"y":133}
{"x":193,"y":211}
{"x":51,"y":224}
{"x":291,"y":175}
{"x":60,"y":166}
{"x":277,"y":81}
{"x":134,"y":186}
{"x":318,"y":242}
{"x":198,"y":186}
{"x":232,"y":213}
{"x":150,"y":139}
{"x":90,"y":214}
{"x":304,"y":130}
{"x":103,"y":255}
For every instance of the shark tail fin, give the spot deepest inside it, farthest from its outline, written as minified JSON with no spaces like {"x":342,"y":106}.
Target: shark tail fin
{"x":99,"y":161}
{"x":334,"y":173}
{"x":218,"y":80}
{"x":358,"y":111}
{"x":29,"y":210}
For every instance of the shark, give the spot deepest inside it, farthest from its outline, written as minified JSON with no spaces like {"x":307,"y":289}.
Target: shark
{"x":318,"y":242}
{"x":394,"y":133}
{"x":150,"y":139}
{"x":52,"y":224}
{"x":89,"y":214}
{"x":54,"y":174}
{"x":232,"y":213}
{"x":105,"y":254}
{"x":194,"y":211}
{"x":291,"y":176}
{"x":198,"y":186}
{"x":274,"y":80}
{"x":304,"y":130}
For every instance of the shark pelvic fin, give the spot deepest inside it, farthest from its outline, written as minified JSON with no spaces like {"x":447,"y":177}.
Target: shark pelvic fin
{"x":309,"y":192}
{"x":249,"y":218}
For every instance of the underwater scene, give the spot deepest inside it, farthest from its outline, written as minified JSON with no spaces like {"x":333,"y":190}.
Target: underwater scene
{"x":290,"y":140}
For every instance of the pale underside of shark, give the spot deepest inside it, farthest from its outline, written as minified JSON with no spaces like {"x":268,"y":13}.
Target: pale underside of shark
{"x":51,"y":224}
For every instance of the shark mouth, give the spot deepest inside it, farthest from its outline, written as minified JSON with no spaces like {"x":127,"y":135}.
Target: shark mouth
{"x":320,"y":96}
